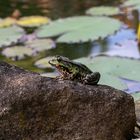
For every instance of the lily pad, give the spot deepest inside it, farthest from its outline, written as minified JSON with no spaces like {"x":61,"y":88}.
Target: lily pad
{"x":7,"y":22}
{"x":112,"y":80}
{"x":132,"y":4}
{"x":136,"y":96}
{"x":79,"y":29}
{"x":103,"y":11}
{"x":10,"y":35}
{"x":33,"y":21}
{"x":43,"y":63}
{"x":41,"y":44}
{"x":17,"y":52}
{"x":114,"y":66}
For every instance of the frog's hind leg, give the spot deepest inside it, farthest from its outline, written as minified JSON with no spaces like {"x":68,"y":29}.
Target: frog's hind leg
{"x":92,"y":79}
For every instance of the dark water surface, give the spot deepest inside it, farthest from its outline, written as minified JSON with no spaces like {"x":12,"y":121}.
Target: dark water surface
{"x":51,"y":8}
{"x":55,"y":9}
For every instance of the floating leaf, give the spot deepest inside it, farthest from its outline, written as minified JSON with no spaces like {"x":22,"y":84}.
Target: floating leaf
{"x":43,"y":63}
{"x":17,"y":52}
{"x":111,"y":80}
{"x":79,"y":29}
{"x":10,"y":35}
{"x":41,"y":44}
{"x":103,"y":10}
{"x":114,"y":66}
{"x":33,"y":21}
{"x":7,"y":22}
{"x":133,"y":4}
{"x":136,"y":96}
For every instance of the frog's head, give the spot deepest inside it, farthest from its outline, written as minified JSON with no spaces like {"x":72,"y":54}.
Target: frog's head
{"x":62,"y":64}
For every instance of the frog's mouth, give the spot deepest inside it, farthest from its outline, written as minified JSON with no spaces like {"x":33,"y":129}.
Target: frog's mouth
{"x":62,"y":69}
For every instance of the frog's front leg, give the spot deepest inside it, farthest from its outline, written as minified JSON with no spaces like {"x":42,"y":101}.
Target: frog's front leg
{"x":67,"y":77}
{"x":92,"y":79}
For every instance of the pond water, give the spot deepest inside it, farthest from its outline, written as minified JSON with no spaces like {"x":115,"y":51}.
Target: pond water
{"x":118,"y":44}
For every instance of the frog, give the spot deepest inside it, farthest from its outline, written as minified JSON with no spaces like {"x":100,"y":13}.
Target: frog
{"x":75,"y":71}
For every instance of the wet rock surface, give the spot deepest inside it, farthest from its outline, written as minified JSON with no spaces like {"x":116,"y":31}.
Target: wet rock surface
{"x":38,"y":108}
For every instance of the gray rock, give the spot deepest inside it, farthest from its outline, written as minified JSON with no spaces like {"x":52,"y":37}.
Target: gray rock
{"x":38,"y":108}
{"x":137,"y":110}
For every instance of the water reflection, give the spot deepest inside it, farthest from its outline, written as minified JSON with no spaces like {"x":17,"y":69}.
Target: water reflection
{"x":71,"y":51}
{"x":123,"y":43}
{"x":51,"y":8}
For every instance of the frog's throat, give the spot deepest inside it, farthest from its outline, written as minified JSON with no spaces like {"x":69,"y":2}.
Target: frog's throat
{"x":63,"y":70}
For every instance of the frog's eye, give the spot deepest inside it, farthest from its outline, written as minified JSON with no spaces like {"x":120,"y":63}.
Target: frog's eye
{"x":59,"y":58}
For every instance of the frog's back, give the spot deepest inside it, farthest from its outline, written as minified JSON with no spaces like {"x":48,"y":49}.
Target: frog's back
{"x":83,"y":68}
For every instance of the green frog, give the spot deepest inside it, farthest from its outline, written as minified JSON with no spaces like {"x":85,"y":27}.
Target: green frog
{"x":75,"y":71}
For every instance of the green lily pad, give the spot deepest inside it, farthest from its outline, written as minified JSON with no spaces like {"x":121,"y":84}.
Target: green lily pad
{"x":114,"y":66}
{"x":17,"y":52}
{"x":41,"y":44}
{"x":79,"y":29}
{"x":43,"y":63}
{"x":136,"y":96}
{"x":103,"y":11}
{"x":131,"y":2}
{"x":10,"y":35}
{"x":111,"y":80}
{"x":134,"y":4}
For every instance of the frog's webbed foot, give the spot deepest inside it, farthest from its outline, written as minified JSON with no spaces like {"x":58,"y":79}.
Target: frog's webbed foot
{"x":92,"y":79}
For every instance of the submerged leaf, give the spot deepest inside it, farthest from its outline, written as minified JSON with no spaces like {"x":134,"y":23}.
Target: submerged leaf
{"x":79,"y":29}
{"x":17,"y":52}
{"x":103,"y":10}
{"x":10,"y":35}
{"x":41,"y":44}
{"x":33,"y":21}
{"x":43,"y":63}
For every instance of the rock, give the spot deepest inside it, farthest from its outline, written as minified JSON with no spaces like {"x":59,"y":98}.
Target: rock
{"x":39,"y":108}
{"x":137,"y":110}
